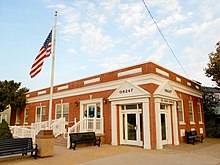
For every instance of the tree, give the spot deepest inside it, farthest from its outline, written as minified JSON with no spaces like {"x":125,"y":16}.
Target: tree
{"x":11,"y":94}
{"x":5,"y":132}
{"x":209,"y":103}
{"x":213,"y":69}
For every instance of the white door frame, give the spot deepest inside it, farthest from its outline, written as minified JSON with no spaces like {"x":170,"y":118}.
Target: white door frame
{"x":172,"y":126}
{"x":123,"y":124}
{"x":168,"y":127}
{"x":145,"y":115}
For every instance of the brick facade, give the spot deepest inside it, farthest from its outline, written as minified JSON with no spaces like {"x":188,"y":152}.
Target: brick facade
{"x":148,"y":77}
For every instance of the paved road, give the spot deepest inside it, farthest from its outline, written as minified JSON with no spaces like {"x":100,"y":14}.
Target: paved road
{"x":207,"y":153}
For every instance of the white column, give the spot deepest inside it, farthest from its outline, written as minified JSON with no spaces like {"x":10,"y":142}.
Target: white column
{"x":114,"y":124}
{"x":158,"y":124}
{"x":175,"y":125}
{"x":146,"y":125}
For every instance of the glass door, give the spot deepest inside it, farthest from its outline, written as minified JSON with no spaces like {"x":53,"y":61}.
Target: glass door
{"x":131,"y":128}
{"x":164,"y":128}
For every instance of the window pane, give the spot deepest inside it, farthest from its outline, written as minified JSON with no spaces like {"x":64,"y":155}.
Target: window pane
{"x":26,"y":119}
{"x":58,"y":108}
{"x":66,"y":116}
{"x":26,"y":111}
{"x":180,"y":111}
{"x":131,"y":106}
{"x":191,"y":112}
{"x":65,"y":108}
{"x":43,"y":118}
{"x":38,"y":110}
{"x":98,"y":112}
{"x":139,"y":106}
{"x":26,"y":115}
{"x":84,"y":111}
{"x":43,"y":110}
{"x":38,"y":118}
{"x":91,"y":112}
{"x":162,"y":106}
{"x":199,"y":112}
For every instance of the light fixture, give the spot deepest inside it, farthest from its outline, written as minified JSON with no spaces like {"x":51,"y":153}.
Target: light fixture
{"x":105,"y":100}
{"x":76,"y":103}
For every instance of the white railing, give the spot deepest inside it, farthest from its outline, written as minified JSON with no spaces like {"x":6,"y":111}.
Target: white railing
{"x":86,"y":125}
{"x":21,"y":131}
{"x":58,"y":127}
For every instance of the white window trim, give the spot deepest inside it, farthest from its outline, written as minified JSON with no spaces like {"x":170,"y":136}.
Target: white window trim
{"x":25,"y":115}
{"x":92,"y":101}
{"x":191,"y":122}
{"x":41,"y":107}
{"x":182,"y":122}
{"x":200,"y":110}
{"x":1,"y":116}
{"x":62,"y":104}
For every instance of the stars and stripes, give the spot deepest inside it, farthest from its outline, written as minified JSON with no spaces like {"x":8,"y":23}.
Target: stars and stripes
{"x":44,"y":52}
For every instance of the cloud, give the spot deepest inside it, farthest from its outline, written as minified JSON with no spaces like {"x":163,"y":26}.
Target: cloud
{"x":94,"y":40}
{"x":130,"y":14}
{"x":85,"y":28}
{"x":165,"y":6}
{"x":71,"y":51}
{"x":119,"y":61}
{"x":158,"y":51}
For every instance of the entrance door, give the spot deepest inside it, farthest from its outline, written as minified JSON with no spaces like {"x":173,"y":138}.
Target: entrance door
{"x":132,"y":127}
{"x":164,"y":128}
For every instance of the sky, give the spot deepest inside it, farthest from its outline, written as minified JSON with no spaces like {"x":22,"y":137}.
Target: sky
{"x":97,"y":36}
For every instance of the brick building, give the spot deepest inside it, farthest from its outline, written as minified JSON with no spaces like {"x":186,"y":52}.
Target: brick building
{"x":143,"y":105}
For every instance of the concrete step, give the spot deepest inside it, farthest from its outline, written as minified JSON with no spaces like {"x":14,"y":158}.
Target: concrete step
{"x":60,"y":141}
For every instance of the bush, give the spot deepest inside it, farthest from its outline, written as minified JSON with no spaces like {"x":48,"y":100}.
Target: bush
{"x":5,"y":132}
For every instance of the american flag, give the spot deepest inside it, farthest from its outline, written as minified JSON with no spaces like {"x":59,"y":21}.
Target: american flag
{"x":44,"y":52}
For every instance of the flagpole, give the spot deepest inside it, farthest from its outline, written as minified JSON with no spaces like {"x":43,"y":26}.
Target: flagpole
{"x":52,"y":71}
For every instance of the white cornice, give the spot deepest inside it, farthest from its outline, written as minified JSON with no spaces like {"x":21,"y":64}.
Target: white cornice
{"x":112,"y":85}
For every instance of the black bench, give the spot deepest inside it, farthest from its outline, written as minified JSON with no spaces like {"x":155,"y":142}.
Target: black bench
{"x":83,"y":137}
{"x":17,"y":146}
{"x":192,"y":137}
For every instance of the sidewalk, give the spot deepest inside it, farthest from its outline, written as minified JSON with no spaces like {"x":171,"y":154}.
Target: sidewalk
{"x":207,"y":153}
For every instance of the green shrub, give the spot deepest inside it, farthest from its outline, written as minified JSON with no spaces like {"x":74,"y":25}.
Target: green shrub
{"x":5,"y":132}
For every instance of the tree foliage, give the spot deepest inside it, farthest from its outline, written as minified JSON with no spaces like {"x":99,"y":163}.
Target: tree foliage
{"x":213,"y":69}
{"x":5,"y":132}
{"x":12,"y":94}
{"x":209,"y":103}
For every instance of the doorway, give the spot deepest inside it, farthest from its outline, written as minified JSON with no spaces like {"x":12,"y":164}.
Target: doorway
{"x":165,"y":123}
{"x":131,"y":125}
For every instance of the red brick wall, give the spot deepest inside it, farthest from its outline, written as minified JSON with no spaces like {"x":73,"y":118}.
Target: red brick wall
{"x":74,"y":112}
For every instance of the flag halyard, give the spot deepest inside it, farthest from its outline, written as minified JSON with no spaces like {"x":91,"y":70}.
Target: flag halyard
{"x":45,"y":51}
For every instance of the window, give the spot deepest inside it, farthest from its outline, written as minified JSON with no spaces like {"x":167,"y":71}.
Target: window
{"x":131,"y":106}
{"x":26,"y":111}
{"x":62,"y":110}
{"x":191,"y":113}
{"x":3,"y":117}
{"x":18,"y":116}
{"x":92,"y":110}
{"x":199,"y":112}
{"x":180,"y":112}
{"x":41,"y":114}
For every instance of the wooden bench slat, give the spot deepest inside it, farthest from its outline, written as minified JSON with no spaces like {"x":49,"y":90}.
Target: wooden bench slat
{"x":83,"y":137}
{"x":17,"y":146}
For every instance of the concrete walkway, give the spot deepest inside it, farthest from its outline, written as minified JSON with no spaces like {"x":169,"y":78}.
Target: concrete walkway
{"x":207,"y":153}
